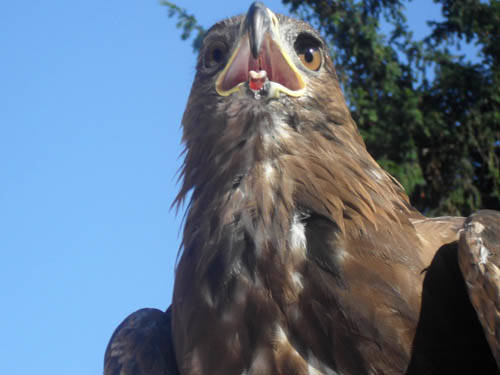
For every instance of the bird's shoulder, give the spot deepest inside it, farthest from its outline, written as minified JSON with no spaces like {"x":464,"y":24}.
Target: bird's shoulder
{"x":142,"y":344}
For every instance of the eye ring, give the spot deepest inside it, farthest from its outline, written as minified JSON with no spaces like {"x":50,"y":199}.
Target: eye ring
{"x":215,"y":54}
{"x":308,"y":50}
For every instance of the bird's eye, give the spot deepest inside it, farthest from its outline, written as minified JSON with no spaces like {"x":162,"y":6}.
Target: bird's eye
{"x":215,"y":54}
{"x":311,"y":58}
{"x":309,"y":51}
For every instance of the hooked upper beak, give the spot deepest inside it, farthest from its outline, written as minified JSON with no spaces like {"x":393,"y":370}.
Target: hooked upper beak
{"x":259,"y":62}
{"x":257,"y":25}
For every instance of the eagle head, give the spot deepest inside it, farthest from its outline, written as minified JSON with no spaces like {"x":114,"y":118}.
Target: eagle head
{"x":264,"y":86}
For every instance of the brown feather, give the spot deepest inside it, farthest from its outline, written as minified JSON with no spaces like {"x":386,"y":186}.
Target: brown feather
{"x":238,"y":257}
{"x":479,"y":259}
{"x":300,"y":255}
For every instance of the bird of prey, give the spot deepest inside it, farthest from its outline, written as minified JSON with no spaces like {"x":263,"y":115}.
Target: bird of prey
{"x":300,"y":254}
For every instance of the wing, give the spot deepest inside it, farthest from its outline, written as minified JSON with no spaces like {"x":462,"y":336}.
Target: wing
{"x":142,"y":344}
{"x":479,"y":259}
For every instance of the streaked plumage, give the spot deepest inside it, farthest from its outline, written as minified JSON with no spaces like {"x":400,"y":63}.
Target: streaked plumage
{"x":300,"y":254}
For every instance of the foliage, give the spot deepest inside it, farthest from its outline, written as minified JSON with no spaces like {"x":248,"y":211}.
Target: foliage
{"x":187,"y":23}
{"x":429,"y":115}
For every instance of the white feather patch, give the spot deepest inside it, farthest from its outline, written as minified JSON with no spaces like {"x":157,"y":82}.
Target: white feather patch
{"x":298,"y":235}
{"x":207,"y":296}
{"x":483,"y":253}
{"x":376,"y":174}
{"x":316,"y":367}
{"x":297,"y":281}
{"x":341,"y":255}
{"x":268,"y":171}
{"x":477,"y":227}
{"x":280,"y":335}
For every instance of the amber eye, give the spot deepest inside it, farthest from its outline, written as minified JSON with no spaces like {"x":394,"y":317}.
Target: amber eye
{"x":311,"y":58}
{"x":309,"y":51}
{"x":215,"y":54}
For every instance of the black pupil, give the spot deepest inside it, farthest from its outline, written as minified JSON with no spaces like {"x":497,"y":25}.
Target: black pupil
{"x":217,"y":55}
{"x":309,"y":55}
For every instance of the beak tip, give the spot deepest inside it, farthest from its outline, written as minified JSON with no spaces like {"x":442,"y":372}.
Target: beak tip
{"x":256,"y":5}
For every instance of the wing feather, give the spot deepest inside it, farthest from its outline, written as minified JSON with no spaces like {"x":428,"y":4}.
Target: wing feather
{"x":479,"y":259}
{"x":142,"y":344}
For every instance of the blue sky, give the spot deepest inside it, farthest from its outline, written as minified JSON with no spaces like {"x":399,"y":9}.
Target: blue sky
{"x":91,"y":98}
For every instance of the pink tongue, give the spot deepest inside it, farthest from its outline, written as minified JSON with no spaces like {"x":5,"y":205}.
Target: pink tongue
{"x":256,"y":79}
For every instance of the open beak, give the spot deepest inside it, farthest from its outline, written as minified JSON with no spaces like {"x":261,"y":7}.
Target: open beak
{"x":259,"y":63}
